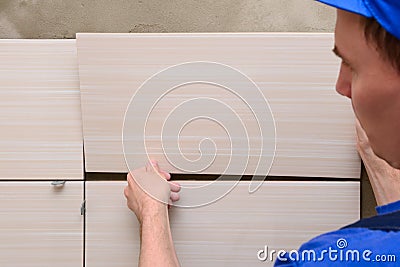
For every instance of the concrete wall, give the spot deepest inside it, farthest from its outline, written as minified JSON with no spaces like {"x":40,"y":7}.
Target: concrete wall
{"x":64,"y":18}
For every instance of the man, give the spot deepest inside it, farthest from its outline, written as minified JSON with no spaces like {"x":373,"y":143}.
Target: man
{"x":367,"y":39}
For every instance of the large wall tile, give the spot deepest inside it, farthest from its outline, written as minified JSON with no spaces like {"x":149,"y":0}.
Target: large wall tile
{"x":40,"y":122}
{"x":295,"y":72}
{"x":229,"y":232}
{"x":41,"y":224}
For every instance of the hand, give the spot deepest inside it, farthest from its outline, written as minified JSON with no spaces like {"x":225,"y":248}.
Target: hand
{"x":150,"y":179}
{"x":385,"y":180}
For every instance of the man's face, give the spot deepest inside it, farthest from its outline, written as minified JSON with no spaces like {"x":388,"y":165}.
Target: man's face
{"x":373,"y":86}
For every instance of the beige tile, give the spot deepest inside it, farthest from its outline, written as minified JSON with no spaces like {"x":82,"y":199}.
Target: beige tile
{"x":40,"y":122}
{"x":41,"y":225}
{"x":229,"y":232}
{"x":295,"y":72}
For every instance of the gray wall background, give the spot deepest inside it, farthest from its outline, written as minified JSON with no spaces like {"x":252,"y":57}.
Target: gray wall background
{"x":64,"y":18}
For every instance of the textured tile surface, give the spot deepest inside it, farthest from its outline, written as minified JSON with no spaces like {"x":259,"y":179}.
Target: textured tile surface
{"x":41,"y":225}
{"x":295,"y":72}
{"x":229,"y":232}
{"x":40,"y":122}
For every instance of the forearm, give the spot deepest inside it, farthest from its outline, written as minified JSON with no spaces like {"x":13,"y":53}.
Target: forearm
{"x":157,"y":247}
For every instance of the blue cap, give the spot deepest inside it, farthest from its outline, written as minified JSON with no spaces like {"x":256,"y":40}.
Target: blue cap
{"x":385,"y":12}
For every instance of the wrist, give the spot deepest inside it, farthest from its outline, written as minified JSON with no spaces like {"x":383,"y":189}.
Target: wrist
{"x":152,"y":214}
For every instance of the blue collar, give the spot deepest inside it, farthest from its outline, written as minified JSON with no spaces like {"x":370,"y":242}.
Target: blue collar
{"x":388,"y":208}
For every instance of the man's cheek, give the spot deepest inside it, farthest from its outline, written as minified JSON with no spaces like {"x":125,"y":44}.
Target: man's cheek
{"x":375,"y":110}
{"x":361,"y":104}
{"x":366,"y":111}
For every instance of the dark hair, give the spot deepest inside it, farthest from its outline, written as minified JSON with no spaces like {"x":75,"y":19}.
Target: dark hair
{"x":385,"y":43}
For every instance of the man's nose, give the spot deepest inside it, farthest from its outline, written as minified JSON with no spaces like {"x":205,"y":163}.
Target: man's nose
{"x":343,"y":84}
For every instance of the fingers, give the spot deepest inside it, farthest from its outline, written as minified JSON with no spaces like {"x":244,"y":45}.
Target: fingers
{"x":149,"y":166}
{"x":175,"y":187}
{"x":174,"y":196}
{"x":153,"y":165}
{"x":166,"y":175}
{"x":130,"y":180}
{"x":126,"y":191}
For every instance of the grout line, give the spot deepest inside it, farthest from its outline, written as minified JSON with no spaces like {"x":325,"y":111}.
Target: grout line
{"x":84,"y":225}
{"x":105,"y":176}
{"x":84,"y":214}
{"x":40,"y":180}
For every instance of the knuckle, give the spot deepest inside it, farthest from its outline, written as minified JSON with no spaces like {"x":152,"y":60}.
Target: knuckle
{"x":126,"y":192}
{"x":130,"y":181}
